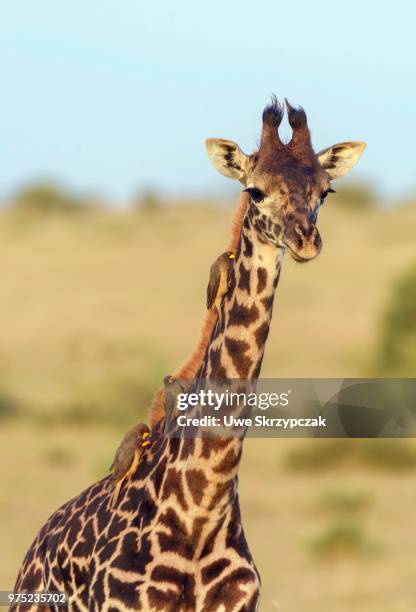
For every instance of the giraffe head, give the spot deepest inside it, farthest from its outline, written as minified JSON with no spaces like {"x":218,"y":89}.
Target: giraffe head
{"x":287,"y":183}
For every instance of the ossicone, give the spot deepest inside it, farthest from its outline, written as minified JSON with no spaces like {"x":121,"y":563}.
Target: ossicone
{"x":296,"y":116}
{"x":272,"y":118}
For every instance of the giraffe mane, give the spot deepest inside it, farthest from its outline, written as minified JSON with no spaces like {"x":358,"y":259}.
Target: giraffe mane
{"x":190,"y":368}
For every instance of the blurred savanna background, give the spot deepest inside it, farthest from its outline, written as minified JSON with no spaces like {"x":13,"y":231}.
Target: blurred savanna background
{"x":110,"y":218}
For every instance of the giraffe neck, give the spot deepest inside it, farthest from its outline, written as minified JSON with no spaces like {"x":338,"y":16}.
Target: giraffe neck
{"x":235,"y":351}
{"x":239,"y":338}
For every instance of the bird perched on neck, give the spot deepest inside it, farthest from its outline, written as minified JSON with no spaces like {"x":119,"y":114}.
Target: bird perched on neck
{"x":219,"y":279}
{"x":128,"y":456}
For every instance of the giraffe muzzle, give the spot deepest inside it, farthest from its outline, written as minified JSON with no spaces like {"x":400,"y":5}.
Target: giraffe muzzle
{"x":303,"y":241}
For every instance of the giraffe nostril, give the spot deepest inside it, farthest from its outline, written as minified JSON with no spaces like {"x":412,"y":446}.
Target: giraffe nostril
{"x":298,"y":234}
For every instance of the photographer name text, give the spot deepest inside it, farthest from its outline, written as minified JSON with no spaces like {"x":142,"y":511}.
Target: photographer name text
{"x":257,"y":421}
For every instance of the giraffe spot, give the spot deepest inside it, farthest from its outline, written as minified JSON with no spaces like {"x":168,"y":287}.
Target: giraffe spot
{"x":267,"y":302}
{"x":237,"y":349}
{"x":188,"y":448}
{"x":214,"y":570}
{"x":128,"y":556}
{"x":55,"y":586}
{"x":223,"y":490}
{"x":228,"y":463}
{"x":257,"y":368}
{"x":84,"y":594}
{"x":106,"y":549}
{"x":241,"y":315}
{"x":210,"y":540}
{"x":173,"y":487}
{"x":92,"y":568}
{"x":197,"y":483}
{"x":98,"y":590}
{"x":277,"y":278}
{"x":219,"y":330}
{"x":103,"y":515}
{"x":277,"y":229}
{"x":29,"y":556}
{"x":213,"y":445}
{"x":147,"y":507}
{"x":33,"y":580}
{"x":244,"y":280}
{"x":184,"y":581}
{"x":61,"y":574}
{"x":248,"y":247}
{"x":144,"y":554}
{"x":73,"y":532}
{"x":131,"y":500}
{"x":162,"y":600}
{"x":261,"y":279}
{"x":117,"y":525}
{"x":83,"y":547}
{"x":261,"y":334}
{"x":80,"y":574}
{"x":217,"y":369}
{"x":174,"y":447}
{"x":253,"y":603}
{"x":123,"y":590}
{"x":178,"y":541}
{"x":228,"y":591}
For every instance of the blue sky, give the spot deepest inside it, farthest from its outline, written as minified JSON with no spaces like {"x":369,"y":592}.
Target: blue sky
{"x":113,"y":96}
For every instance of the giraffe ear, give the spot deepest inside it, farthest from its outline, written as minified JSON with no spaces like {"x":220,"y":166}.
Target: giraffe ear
{"x":340,"y":158}
{"x":227,"y":157}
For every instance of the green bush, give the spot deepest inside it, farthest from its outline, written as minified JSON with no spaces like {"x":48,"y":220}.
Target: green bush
{"x":9,"y":407}
{"x":148,"y":202}
{"x":397,"y":347}
{"x":344,"y":500}
{"x":58,"y":456}
{"x":326,"y":454}
{"x":318,"y":454}
{"x":343,"y":537}
{"x":45,"y":198}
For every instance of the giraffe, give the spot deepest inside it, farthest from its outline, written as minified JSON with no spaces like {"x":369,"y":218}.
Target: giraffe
{"x":175,"y":542}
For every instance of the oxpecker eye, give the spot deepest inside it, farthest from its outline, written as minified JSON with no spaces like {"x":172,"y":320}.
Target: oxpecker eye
{"x":255,"y":194}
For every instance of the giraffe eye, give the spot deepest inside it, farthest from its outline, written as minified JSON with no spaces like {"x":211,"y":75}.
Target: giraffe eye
{"x":255,"y":194}
{"x":325,"y":194}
